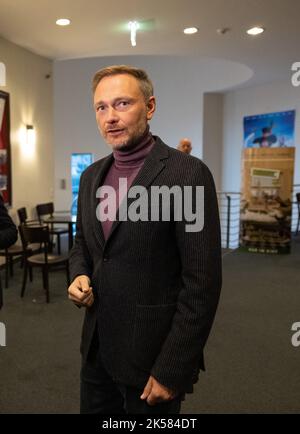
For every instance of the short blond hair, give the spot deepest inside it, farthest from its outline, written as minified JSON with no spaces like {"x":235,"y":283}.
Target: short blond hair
{"x":145,"y":83}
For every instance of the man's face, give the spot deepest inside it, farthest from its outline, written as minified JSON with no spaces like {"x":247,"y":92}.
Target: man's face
{"x":185,"y":146}
{"x":121,"y":110}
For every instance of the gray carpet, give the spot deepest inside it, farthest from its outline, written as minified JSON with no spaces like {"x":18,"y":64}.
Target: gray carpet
{"x":251,"y":365}
{"x":39,"y":367}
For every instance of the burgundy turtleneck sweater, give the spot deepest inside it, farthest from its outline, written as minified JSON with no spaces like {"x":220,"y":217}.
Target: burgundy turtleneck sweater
{"x":126,"y":164}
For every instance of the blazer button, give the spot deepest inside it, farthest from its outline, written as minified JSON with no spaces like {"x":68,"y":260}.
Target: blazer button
{"x":105,"y":259}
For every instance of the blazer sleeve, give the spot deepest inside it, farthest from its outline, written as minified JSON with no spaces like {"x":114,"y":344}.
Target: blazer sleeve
{"x":80,"y":261}
{"x":8,"y":230}
{"x":200,"y":252}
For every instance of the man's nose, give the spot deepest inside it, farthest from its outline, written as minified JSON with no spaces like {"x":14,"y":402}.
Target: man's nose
{"x":112,"y":116}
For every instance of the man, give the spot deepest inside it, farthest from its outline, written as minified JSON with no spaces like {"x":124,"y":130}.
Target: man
{"x":267,"y":139}
{"x":8,"y":234}
{"x":150,"y":288}
{"x":185,"y":145}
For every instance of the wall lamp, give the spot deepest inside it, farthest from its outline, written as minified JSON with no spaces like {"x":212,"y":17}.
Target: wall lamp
{"x":30,"y":135}
{"x":27,"y":141}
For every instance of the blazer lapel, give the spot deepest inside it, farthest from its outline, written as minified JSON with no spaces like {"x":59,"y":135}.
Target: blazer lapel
{"x":153,"y":165}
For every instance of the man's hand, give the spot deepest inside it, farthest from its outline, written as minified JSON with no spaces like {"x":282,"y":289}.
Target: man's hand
{"x":154,"y":392}
{"x":80,"y":291}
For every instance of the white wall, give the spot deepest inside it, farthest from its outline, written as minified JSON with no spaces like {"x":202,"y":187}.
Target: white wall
{"x":213,"y":134}
{"x":179,"y":84}
{"x":30,"y":103}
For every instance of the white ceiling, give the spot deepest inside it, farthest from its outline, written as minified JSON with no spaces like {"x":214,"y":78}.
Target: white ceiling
{"x":99,"y":29}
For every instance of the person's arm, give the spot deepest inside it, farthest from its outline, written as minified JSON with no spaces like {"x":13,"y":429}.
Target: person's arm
{"x":8,"y":230}
{"x":200,"y":254}
{"x":80,"y":291}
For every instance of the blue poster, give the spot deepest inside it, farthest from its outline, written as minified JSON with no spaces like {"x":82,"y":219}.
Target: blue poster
{"x":79,"y":162}
{"x":271,"y":130}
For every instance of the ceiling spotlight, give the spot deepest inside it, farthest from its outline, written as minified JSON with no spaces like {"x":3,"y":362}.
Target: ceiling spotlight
{"x":133,"y":26}
{"x":255,"y":31}
{"x":190,"y":30}
{"x":63,"y":22}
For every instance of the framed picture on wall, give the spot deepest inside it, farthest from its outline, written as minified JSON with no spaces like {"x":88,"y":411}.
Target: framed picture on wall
{"x":270,"y":130}
{"x":5,"y":164}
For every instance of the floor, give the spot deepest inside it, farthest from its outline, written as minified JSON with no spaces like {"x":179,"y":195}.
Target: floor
{"x":252,"y":366}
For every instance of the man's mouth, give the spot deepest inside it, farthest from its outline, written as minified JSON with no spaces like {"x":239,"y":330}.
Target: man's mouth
{"x":115,"y":131}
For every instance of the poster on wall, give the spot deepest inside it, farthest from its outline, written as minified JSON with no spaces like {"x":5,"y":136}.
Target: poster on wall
{"x":270,"y":130}
{"x":266,"y":206}
{"x":5,"y":168}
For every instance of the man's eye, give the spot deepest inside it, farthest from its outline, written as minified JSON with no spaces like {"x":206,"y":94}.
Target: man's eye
{"x":100,"y":108}
{"x":123,"y":104}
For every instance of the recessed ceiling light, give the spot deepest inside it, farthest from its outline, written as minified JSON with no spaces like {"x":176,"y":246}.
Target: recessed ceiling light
{"x":63,"y":22}
{"x":255,"y":31}
{"x":190,"y":30}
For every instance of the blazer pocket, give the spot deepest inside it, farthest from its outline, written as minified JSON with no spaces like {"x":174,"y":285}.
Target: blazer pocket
{"x":152,"y":325}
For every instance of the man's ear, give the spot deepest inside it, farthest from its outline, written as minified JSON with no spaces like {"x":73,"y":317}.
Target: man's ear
{"x":151,"y":107}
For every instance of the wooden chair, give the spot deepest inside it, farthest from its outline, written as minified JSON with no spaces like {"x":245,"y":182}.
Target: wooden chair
{"x":45,"y":260}
{"x":22,"y":214}
{"x":17,"y":250}
{"x":47,"y":209}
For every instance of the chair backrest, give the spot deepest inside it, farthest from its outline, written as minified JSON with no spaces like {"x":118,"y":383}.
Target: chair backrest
{"x":298,"y":200}
{"x":44,"y":209}
{"x":35,"y":234}
{"x":22,"y":214}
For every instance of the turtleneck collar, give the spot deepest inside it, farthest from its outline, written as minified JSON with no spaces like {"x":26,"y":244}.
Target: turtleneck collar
{"x":134,"y":158}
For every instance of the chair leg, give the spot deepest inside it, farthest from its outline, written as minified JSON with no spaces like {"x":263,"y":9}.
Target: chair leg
{"x":46,"y":283}
{"x":24,"y":278}
{"x":58,"y":244}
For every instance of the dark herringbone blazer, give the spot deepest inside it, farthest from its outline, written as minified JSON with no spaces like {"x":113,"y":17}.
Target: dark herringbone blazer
{"x":156,"y":286}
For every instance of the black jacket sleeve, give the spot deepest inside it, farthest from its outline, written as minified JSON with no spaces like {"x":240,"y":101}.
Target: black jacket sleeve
{"x":79,"y":258}
{"x":200,"y":252}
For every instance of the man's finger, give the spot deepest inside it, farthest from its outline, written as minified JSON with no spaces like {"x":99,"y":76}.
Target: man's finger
{"x":84,"y":284}
{"x":77,"y":295}
{"x":87,"y":301}
{"x":90,"y":300}
{"x":152,"y":399}
{"x":147,"y":389}
{"x":76,"y":292}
